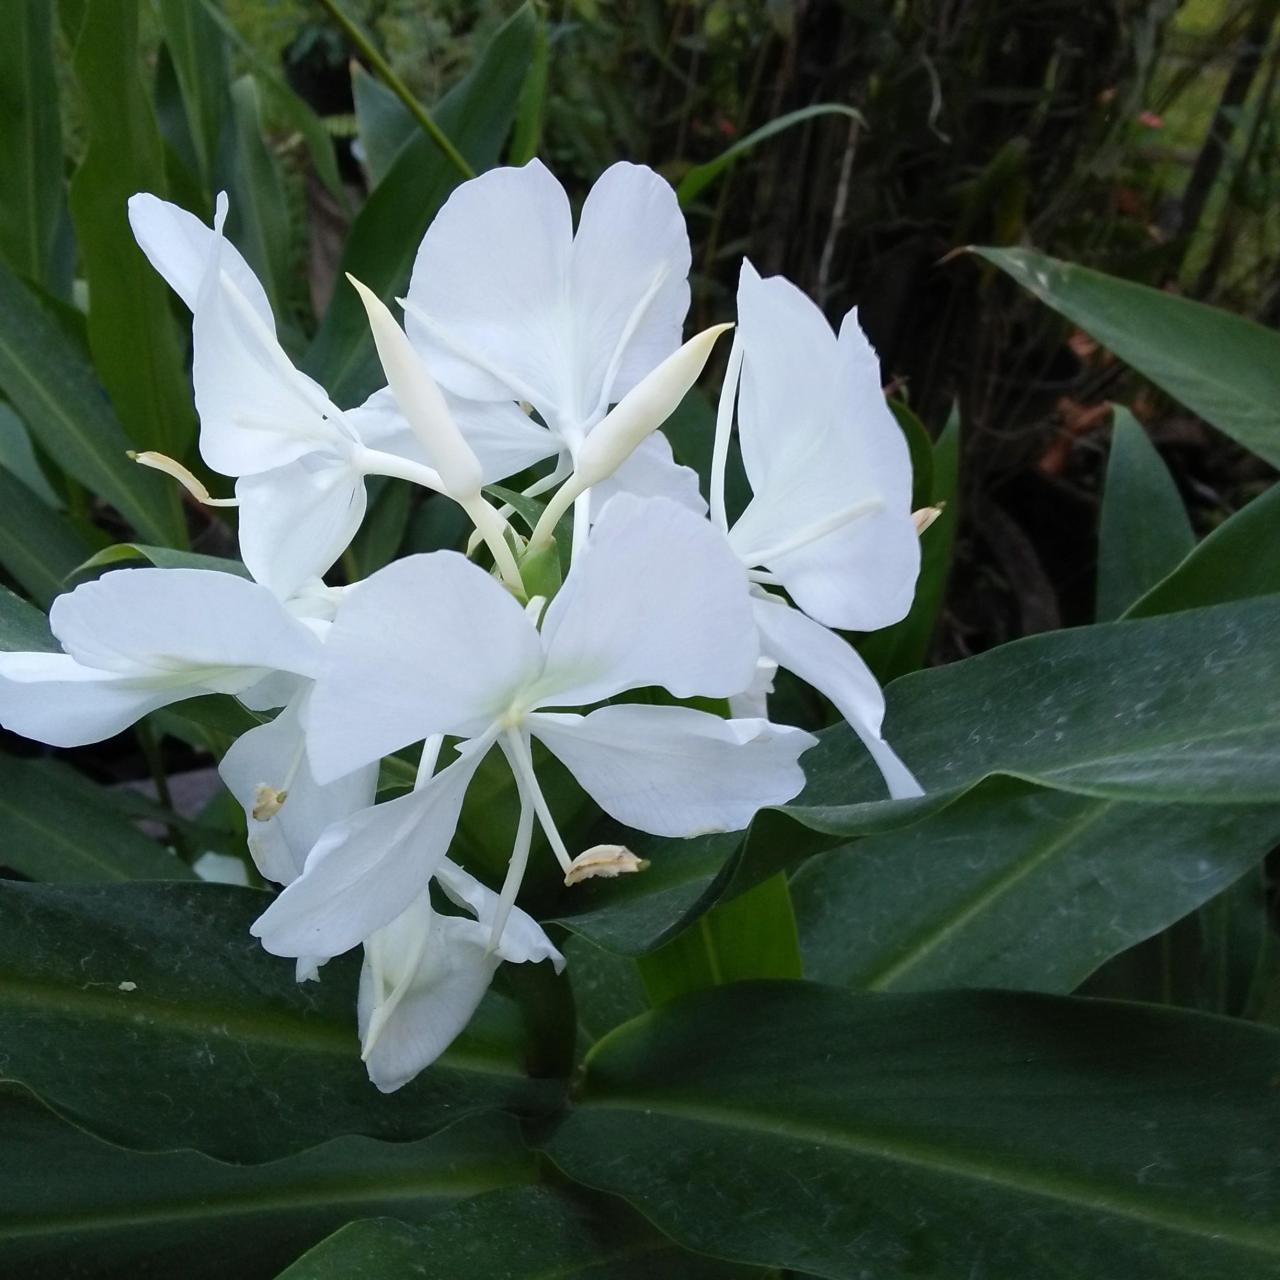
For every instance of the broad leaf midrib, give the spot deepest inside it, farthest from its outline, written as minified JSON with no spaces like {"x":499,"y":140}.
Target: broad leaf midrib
{"x":1101,"y":1198}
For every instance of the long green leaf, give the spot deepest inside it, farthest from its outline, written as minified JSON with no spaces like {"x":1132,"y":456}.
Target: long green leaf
{"x":161,"y":557}
{"x":1221,"y":366}
{"x":958,"y":1134}
{"x":1145,"y":531}
{"x":54,"y":391}
{"x":703,"y":175}
{"x":383,"y":122}
{"x":38,"y":545}
{"x":183,"y":1032}
{"x":1238,"y":560}
{"x":476,"y":114}
{"x":77,"y":1206}
{"x":132,"y":332}
{"x":1017,"y":887}
{"x":198,"y":48}
{"x":22,"y":627}
{"x":19,"y":458}
{"x":516,"y":1233}
{"x":57,"y":825}
{"x":30,"y":140}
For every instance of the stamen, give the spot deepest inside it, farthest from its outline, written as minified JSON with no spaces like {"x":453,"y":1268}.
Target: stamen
{"x":516,"y":748}
{"x":173,"y":468}
{"x":606,"y":860}
{"x":516,"y":867}
{"x":427,"y":761}
{"x":926,"y":516}
{"x":818,"y":529}
{"x":628,"y":332}
{"x":267,"y":800}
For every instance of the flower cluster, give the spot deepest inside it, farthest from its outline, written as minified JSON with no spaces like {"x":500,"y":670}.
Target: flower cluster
{"x":529,"y":348}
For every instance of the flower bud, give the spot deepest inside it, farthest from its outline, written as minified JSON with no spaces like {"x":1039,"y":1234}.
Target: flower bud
{"x":421,"y":401}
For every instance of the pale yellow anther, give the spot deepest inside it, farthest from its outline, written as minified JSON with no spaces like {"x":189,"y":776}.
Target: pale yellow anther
{"x":174,"y":469}
{"x":926,"y":516}
{"x":267,"y":802}
{"x":604,"y":860}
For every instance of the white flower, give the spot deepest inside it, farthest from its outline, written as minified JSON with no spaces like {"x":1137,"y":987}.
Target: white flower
{"x":830,"y":513}
{"x":425,"y":973}
{"x":301,"y":461}
{"x":507,"y":303}
{"x":139,"y":639}
{"x":431,"y":645}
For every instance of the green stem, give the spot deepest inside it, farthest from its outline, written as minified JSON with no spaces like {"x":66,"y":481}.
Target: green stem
{"x":397,"y":86}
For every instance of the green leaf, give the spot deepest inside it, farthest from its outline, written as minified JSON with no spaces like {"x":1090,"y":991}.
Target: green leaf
{"x":33,"y":207}
{"x":921,"y":449}
{"x":1017,"y":887}
{"x":512,"y":1234}
{"x":750,"y":936}
{"x":148,"y":1015}
{"x":132,"y":332}
{"x":1238,"y":560}
{"x":161,"y":557}
{"x":1144,"y":531}
{"x":1221,"y":366}
{"x":198,"y":49}
{"x":702,"y":176}
{"x":383,"y":531}
{"x":77,"y":1206}
{"x":526,"y":138}
{"x":955,"y":1134}
{"x":38,"y":545}
{"x":57,"y":825}
{"x":19,"y":458}
{"x":382,"y":122}
{"x":259,"y":215}
{"x":1181,"y":709}
{"x":55,"y":392}
{"x":476,"y":114}
{"x":23,"y":629}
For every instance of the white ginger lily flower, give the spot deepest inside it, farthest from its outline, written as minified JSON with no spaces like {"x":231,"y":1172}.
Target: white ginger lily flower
{"x":425,"y":973}
{"x":431,"y":645}
{"x":830,"y":513}
{"x":139,"y":639}
{"x":507,"y":303}
{"x":301,"y":461}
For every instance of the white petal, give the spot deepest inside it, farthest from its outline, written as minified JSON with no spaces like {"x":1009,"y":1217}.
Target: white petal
{"x":834,"y":668}
{"x":272,"y":755}
{"x":630,"y":286}
{"x":430,"y":644}
{"x":505,"y":439}
{"x":487,"y":302}
{"x":51,"y":698}
{"x":296,"y":520}
{"x":674,"y":771}
{"x":365,"y":870}
{"x":657,"y":598}
{"x":256,"y":410}
{"x":523,"y":940}
{"x":652,"y":472}
{"x":423,"y":977}
{"x":179,"y":245}
{"x":169,"y":622}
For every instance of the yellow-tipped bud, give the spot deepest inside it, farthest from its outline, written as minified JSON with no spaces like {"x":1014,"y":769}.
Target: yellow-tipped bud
{"x":421,"y":401}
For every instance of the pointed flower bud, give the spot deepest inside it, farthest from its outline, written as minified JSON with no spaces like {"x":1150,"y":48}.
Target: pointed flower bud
{"x":421,"y":401}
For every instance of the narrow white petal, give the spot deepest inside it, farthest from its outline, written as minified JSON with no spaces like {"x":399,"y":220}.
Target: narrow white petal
{"x":674,"y":771}
{"x":430,"y":644}
{"x":523,"y":938}
{"x":365,"y":870}
{"x":833,"y":667}
{"x":658,"y":598}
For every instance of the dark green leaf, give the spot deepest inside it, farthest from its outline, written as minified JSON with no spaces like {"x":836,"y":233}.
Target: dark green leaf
{"x":132,"y":333}
{"x":382,"y":121}
{"x":56,"y":394}
{"x":476,"y":114}
{"x":23,"y":628}
{"x":148,"y":1015}
{"x":57,"y":825}
{"x":1144,"y":530}
{"x":1221,"y":366}
{"x":921,"y":448}
{"x":74,"y":1206}
{"x":702,"y":176}
{"x":526,"y":138}
{"x":518,"y":1233}
{"x":198,"y":49}
{"x":1014,"y":886}
{"x":38,"y":545}
{"x":958,"y":1134}
{"x":383,"y":531}
{"x":19,"y":458}
{"x":33,"y":207}
{"x":161,"y":557}
{"x":1239,"y":559}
